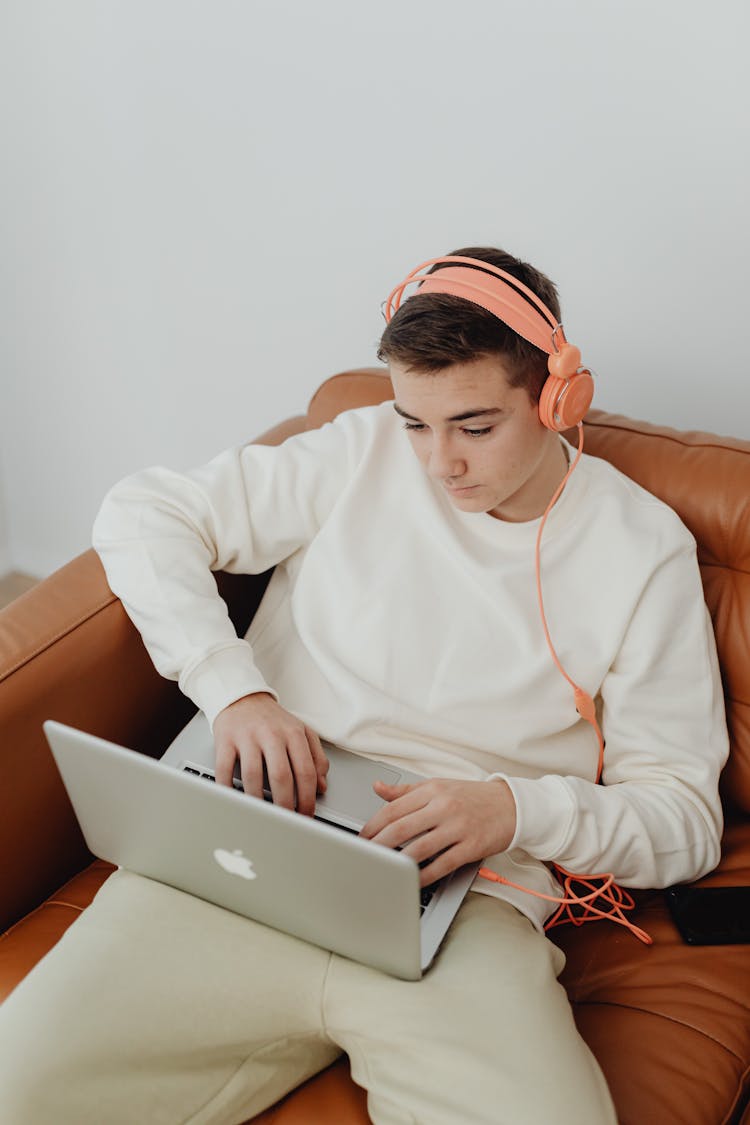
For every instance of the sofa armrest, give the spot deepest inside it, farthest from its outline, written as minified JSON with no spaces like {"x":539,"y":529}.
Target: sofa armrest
{"x":68,"y":651}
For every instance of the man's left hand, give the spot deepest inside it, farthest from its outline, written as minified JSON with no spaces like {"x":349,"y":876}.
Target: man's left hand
{"x":456,"y":822}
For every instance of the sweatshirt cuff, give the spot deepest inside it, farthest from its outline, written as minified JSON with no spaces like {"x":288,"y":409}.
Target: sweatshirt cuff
{"x":224,"y":676}
{"x":545,"y":813}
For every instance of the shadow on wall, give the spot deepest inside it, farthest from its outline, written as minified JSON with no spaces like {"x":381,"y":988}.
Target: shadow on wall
{"x":14,"y":584}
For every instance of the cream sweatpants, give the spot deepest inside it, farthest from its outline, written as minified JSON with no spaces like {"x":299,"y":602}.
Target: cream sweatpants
{"x":156,"y":1007}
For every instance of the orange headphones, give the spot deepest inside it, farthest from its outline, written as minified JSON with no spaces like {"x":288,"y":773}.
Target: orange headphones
{"x":569,"y":388}
{"x":564,"y":400}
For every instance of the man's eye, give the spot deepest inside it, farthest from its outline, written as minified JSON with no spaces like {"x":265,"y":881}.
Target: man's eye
{"x":418,"y":426}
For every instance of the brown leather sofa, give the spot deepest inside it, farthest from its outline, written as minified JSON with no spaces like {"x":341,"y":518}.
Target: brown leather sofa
{"x":669,"y":1023}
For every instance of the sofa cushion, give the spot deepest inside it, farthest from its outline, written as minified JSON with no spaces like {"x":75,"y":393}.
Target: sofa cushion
{"x":674,"y":1015}
{"x":669,"y":1023}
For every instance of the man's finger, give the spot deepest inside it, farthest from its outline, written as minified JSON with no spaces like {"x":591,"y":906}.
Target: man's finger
{"x":407,"y":830}
{"x":251,"y":771}
{"x":391,"y":792}
{"x":305,"y":773}
{"x":280,"y":775}
{"x":401,"y":799}
{"x":320,"y":760}
{"x":441,"y":866}
{"x":224,"y":759}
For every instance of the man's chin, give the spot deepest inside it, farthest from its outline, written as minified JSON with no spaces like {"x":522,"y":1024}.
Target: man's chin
{"x":474,"y":501}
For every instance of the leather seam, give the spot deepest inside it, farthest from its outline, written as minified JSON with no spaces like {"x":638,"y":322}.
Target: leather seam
{"x":661,"y":1016}
{"x":68,"y":905}
{"x":51,"y":902}
{"x":722,"y":566}
{"x":37,"y":909}
{"x":50,"y":641}
{"x":676,"y":440}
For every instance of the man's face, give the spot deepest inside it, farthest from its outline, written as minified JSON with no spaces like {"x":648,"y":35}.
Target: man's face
{"x":480,"y":439}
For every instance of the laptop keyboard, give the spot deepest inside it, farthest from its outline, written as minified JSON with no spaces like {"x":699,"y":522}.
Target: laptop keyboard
{"x":425,"y":894}
{"x":425,"y":897}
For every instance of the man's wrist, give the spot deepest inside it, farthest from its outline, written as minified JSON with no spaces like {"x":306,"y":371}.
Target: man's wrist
{"x":507,"y":811}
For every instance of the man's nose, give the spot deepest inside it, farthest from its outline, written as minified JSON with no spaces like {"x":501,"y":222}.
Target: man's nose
{"x":442,"y":462}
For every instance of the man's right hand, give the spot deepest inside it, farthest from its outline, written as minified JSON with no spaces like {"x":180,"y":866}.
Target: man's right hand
{"x":257,"y":730}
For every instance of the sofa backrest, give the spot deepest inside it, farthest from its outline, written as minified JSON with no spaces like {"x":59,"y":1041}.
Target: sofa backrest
{"x":704,"y":478}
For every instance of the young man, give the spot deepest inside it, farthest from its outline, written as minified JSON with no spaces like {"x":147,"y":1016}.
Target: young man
{"x":402,"y":622}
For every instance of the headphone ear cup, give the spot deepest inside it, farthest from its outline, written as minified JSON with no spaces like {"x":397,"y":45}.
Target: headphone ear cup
{"x":565,"y":362}
{"x":563,"y":402}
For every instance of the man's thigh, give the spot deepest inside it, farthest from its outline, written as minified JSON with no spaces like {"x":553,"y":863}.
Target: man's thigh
{"x":158,"y":1007}
{"x":487,"y":1036}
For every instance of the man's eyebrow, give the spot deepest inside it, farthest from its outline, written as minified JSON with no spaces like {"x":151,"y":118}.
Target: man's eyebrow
{"x":478,"y":413}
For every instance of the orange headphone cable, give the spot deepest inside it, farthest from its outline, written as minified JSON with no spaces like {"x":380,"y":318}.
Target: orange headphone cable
{"x":608,"y":892}
{"x":584,"y":703}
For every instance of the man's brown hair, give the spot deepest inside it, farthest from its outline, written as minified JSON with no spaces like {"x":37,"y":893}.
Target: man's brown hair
{"x":432,"y":331}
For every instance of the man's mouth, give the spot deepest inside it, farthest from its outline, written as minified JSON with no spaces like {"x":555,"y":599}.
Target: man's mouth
{"x":459,"y":491}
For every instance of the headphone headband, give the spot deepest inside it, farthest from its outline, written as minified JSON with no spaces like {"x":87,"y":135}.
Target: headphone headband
{"x":494,"y":290}
{"x":569,"y":388}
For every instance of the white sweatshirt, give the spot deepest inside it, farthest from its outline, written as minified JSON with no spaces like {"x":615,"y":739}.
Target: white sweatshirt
{"x":407,"y":630}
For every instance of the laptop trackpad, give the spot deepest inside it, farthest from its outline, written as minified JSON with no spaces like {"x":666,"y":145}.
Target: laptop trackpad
{"x":350,"y":796}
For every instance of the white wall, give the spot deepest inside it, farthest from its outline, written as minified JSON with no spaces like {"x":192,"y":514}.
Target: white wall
{"x":204,"y":204}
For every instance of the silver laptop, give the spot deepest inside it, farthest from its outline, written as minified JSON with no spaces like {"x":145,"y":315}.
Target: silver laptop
{"x":313,"y":877}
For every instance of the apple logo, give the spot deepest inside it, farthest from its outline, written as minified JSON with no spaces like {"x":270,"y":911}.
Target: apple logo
{"x":235,"y":863}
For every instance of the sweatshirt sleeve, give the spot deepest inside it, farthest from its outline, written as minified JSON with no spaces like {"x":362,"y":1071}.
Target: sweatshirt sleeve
{"x":657,"y":818}
{"x":160,"y":534}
